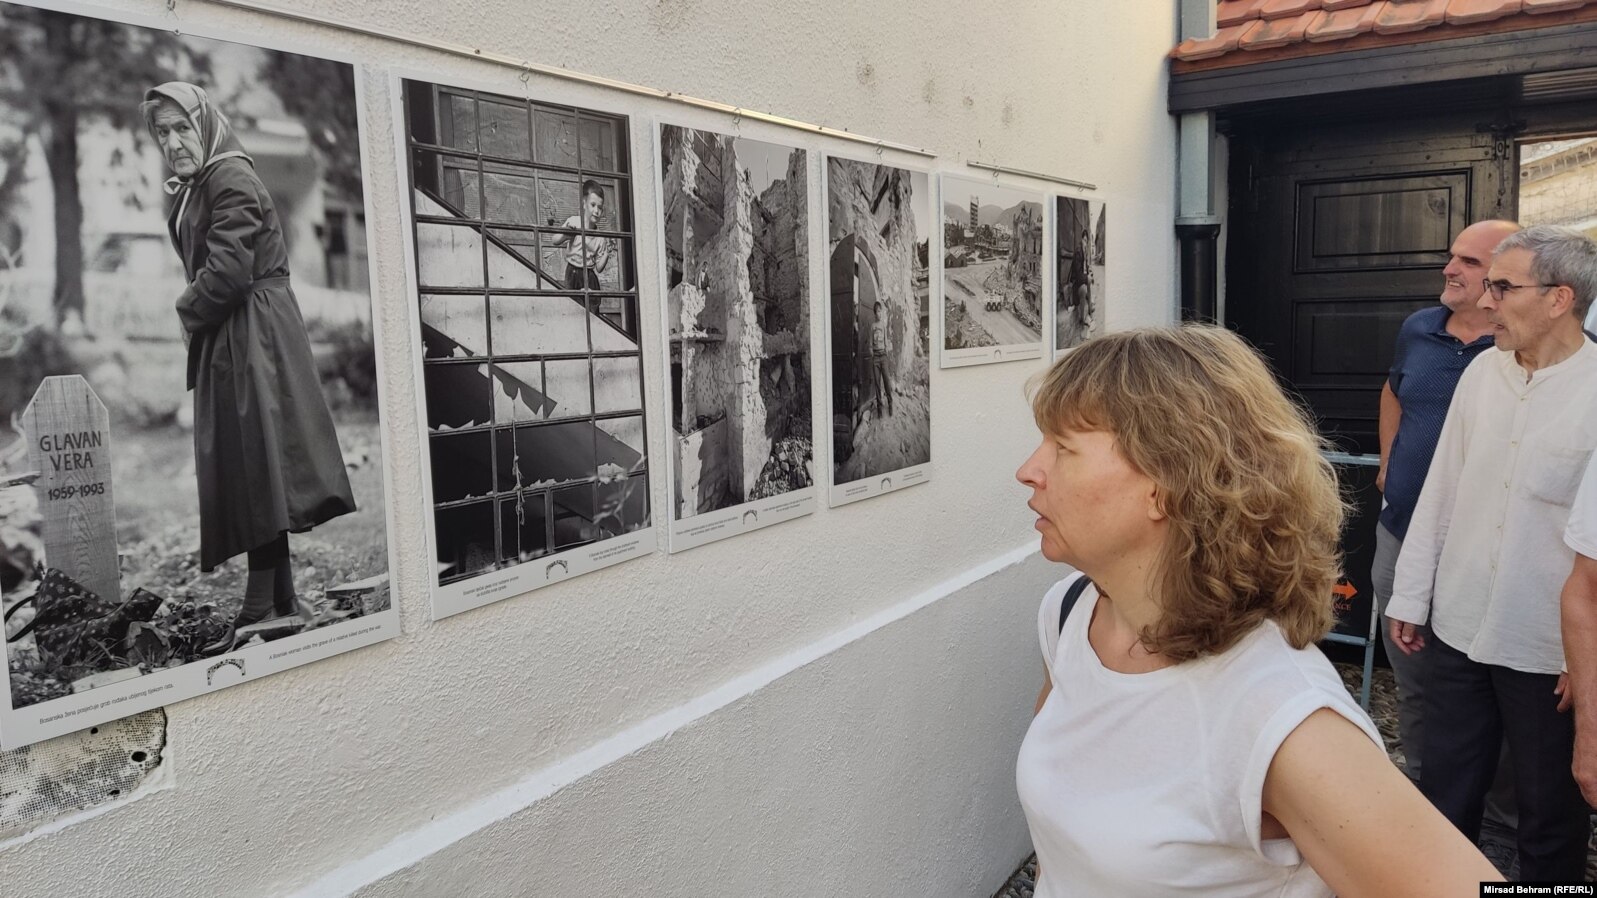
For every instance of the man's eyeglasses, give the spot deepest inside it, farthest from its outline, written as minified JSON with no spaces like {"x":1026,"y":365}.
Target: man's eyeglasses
{"x":1498,"y":288}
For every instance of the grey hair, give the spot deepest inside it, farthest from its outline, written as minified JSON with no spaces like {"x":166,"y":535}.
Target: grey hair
{"x":148,"y":107}
{"x":1562,"y":256}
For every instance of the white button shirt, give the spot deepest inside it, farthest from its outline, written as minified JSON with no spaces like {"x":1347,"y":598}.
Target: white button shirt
{"x":1484,"y":557}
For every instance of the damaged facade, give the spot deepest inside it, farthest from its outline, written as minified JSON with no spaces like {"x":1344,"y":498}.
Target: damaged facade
{"x":1025,"y":260}
{"x":738,"y":322}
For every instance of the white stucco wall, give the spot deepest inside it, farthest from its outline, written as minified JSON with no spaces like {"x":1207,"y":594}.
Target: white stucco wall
{"x":830,"y":706}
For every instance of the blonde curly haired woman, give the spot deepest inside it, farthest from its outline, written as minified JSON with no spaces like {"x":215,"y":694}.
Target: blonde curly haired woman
{"x":1190,"y":739}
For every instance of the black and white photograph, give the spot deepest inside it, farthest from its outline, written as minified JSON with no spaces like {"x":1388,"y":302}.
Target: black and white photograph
{"x":521,"y":212}
{"x":992,"y":284}
{"x":734,"y":217}
{"x":192,"y":487}
{"x":1079,"y":232}
{"x":878,"y":220}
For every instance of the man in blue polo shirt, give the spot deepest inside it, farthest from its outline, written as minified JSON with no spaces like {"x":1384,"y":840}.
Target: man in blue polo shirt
{"x":1434,"y":346}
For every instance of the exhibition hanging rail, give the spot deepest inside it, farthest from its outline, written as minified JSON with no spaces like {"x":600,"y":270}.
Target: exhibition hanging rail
{"x":528,"y":68}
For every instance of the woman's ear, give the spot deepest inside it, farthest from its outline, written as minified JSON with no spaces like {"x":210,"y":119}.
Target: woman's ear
{"x":1156,"y":510}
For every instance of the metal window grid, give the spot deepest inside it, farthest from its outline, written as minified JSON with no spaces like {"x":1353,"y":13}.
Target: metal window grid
{"x":454,"y":152}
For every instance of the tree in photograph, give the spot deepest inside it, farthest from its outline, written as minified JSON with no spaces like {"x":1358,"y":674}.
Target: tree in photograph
{"x":321,"y":94}
{"x":58,"y":71}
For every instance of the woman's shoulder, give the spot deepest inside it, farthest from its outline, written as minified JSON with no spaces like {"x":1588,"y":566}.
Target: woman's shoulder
{"x":1053,"y":599}
{"x":232,"y":174}
{"x":1273,"y":670}
{"x":1049,"y":622}
{"x":1260,"y":688}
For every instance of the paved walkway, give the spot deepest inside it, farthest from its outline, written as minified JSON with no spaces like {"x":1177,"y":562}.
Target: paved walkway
{"x":1383,"y":708}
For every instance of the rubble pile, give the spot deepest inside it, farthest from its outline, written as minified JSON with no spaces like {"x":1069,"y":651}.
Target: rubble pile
{"x":789,"y":468}
{"x":961,"y":331}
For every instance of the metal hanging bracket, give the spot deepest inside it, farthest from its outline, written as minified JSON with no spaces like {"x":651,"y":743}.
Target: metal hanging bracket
{"x":1004,"y":169}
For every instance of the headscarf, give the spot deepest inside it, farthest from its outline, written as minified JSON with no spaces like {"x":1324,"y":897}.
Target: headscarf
{"x":217,"y":141}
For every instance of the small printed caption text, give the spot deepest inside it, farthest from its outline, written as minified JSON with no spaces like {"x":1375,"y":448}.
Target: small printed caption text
{"x":105,"y":704}
{"x":319,"y":643}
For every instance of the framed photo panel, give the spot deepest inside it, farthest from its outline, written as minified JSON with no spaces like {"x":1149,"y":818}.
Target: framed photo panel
{"x":734,"y":218}
{"x":992,"y":286}
{"x":192,"y":476}
{"x":522,"y":260}
{"x":878,"y":221}
{"x":1080,"y":264}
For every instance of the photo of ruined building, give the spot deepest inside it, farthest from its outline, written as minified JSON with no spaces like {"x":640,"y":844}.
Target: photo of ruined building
{"x":1079,"y":275}
{"x":531,"y":367}
{"x":992,"y":265}
{"x":737,"y":317}
{"x":878,"y":223}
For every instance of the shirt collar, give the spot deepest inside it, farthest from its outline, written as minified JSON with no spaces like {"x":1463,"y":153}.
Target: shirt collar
{"x":1441,"y":330}
{"x":1577,"y":359}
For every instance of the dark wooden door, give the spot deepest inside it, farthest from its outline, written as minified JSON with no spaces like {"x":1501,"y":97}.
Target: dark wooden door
{"x":1338,"y":232}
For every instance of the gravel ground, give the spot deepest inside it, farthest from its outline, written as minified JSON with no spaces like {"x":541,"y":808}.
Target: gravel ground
{"x":1383,"y":708}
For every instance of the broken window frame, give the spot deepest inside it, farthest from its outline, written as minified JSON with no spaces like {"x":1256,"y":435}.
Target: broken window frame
{"x":425,"y":105}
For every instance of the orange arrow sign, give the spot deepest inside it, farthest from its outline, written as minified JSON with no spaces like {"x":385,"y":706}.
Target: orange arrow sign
{"x":1344,"y":590}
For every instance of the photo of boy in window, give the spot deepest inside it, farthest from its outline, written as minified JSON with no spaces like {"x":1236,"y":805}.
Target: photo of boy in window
{"x":586,"y":256}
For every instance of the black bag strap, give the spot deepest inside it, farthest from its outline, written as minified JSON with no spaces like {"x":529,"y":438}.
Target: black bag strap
{"x":1072,"y":593}
{"x":27,"y":627}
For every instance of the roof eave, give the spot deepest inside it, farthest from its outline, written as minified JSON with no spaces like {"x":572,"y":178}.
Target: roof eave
{"x":1544,"y":43}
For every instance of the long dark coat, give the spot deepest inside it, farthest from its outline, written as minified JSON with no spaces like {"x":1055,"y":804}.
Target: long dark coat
{"x":265,"y":452}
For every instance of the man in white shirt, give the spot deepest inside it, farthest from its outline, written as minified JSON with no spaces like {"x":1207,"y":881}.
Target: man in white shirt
{"x":1483,"y":562}
{"x":1433,"y":348}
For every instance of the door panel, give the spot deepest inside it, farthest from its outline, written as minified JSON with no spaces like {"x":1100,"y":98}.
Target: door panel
{"x":1371,"y":223}
{"x":1339,"y":232}
{"x":1336,"y":338}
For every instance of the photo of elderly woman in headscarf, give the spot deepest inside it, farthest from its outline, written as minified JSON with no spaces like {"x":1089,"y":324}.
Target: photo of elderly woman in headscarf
{"x":267,"y":459}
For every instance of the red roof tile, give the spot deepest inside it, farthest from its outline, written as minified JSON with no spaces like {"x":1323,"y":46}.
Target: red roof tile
{"x":1283,"y":29}
{"x":1399,"y":16}
{"x":1281,"y":9}
{"x":1222,"y":42}
{"x":1232,"y":12}
{"x":1343,"y":23}
{"x":1468,"y":12}
{"x":1278,"y":32}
